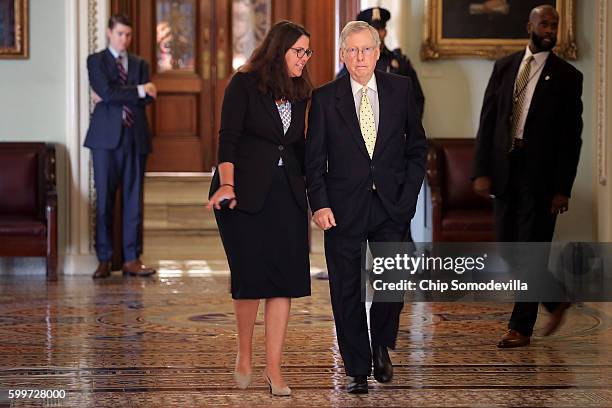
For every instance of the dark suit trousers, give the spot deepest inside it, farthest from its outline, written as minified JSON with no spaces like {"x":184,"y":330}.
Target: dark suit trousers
{"x":522,"y":215}
{"x":123,"y":166}
{"x":343,"y":255}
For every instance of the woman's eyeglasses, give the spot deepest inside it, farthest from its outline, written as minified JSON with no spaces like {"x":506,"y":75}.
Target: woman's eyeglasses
{"x":300,"y":52}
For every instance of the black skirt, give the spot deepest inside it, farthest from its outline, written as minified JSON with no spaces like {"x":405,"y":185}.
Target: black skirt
{"x":268,"y":251}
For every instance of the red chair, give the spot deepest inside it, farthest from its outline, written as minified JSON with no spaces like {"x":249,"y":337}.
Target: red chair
{"x":458,"y":214}
{"x":28,"y":202}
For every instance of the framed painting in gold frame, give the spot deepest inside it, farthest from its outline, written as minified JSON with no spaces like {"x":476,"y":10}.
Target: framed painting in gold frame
{"x":14,"y":29}
{"x":489,"y":29}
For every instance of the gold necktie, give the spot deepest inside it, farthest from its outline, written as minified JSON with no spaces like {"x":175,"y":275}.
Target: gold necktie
{"x":518,"y":97}
{"x":366,"y":122}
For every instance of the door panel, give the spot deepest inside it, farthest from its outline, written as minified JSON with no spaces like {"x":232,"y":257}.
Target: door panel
{"x":175,"y":35}
{"x":180,"y":116}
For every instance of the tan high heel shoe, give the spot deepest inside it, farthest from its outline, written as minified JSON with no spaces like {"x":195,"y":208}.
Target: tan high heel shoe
{"x":242,"y":380}
{"x":277,"y":391}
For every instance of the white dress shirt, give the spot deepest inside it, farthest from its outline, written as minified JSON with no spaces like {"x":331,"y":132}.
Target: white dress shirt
{"x":372,"y":95}
{"x":536,"y":70}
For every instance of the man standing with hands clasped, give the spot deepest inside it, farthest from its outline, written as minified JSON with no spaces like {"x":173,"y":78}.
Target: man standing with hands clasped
{"x":120,"y":140}
{"x":365,"y":163}
{"x":527,"y":151}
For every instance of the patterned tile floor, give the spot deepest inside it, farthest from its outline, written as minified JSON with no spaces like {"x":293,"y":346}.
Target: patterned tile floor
{"x":169,"y":342}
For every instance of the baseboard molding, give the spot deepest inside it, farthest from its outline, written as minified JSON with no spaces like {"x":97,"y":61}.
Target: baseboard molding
{"x":79,"y":264}
{"x":68,"y":265}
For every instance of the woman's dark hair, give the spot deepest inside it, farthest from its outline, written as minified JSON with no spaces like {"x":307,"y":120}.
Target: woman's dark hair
{"x":268,"y":62}
{"x":119,"y":19}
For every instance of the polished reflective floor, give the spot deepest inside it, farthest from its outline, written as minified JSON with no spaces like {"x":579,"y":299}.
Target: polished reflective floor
{"x":169,"y":341}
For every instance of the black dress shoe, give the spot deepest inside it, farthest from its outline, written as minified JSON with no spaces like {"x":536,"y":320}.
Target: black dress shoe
{"x":556,"y":318}
{"x":357,"y":385}
{"x":383,"y":369}
{"x":103,"y":270}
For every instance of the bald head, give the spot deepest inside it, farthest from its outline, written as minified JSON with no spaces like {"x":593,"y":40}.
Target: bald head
{"x":542,"y":28}
{"x":536,"y":12}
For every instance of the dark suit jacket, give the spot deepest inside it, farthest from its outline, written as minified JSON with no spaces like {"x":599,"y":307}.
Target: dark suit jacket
{"x":552,"y":130}
{"x":251,"y":137}
{"x":339,"y":171}
{"x":106,"y":121}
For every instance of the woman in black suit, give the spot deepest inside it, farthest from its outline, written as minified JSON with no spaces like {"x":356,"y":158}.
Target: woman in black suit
{"x":259,"y":193}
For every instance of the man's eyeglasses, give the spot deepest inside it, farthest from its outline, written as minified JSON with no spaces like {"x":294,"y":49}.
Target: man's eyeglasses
{"x":354,"y":51}
{"x":300,"y":52}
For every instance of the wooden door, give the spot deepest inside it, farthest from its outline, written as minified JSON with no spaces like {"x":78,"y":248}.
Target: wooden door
{"x":190,"y":48}
{"x":175,"y":36}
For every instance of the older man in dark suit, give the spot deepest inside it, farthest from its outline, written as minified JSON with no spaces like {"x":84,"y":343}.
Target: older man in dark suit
{"x":527,"y":151}
{"x":365,"y":162}
{"x":120,"y":140}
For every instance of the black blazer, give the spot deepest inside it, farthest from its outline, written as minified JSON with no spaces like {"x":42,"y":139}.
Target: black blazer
{"x":251,"y":137}
{"x":552,"y":130}
{"x":339,"y":171}
{"x":106,"y":120}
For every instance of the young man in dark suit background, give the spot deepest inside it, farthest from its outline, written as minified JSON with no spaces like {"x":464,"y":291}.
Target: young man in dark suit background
{"x":527,"y":151}
{"x":120,"y":140}
{"x":365,"y":163}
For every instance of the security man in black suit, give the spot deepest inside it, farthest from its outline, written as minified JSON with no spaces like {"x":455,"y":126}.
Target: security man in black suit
{"x":391,"y":61}
{"x":527,"y":151}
